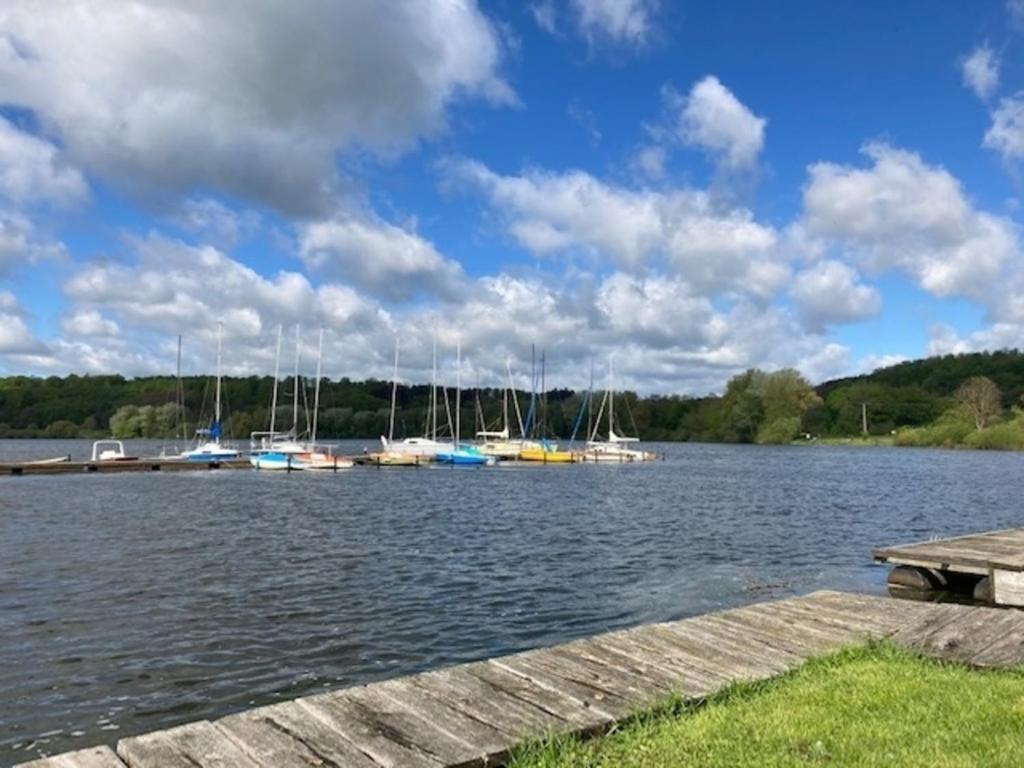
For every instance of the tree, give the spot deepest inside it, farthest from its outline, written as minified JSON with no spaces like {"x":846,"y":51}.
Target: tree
{"x":981,"y":399}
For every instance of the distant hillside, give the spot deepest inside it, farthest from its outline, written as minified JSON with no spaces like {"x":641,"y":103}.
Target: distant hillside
{"x":909,"y":394}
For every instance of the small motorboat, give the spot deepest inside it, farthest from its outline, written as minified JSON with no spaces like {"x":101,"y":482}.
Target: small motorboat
{"x":110,"y":450}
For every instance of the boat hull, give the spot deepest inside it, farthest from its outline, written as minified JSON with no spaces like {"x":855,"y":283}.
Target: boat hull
{"x":547,"y":457}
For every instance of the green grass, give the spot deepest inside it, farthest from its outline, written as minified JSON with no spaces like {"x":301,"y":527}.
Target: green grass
{"x":876,"y":706}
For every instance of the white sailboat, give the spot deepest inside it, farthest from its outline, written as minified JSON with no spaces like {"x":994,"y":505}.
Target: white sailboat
{"x":614,"y":450}
{"x":320,"y":458}
{"x":501,"y":444}
{"x":428,"y":446}
{"x":275,"y":450}
{"x":212,"y":449}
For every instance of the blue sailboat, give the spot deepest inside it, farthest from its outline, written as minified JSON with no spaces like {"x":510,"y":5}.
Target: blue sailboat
{"x":461,"y":453}
{"x":211,"y":449}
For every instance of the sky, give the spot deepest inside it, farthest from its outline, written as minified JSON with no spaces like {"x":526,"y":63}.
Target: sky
{"x":688,"y":189}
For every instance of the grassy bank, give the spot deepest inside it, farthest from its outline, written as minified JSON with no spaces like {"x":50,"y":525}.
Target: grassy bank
{"x":864,"y":707}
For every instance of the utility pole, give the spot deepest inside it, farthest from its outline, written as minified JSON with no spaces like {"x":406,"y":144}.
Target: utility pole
{"x":864,"y":417}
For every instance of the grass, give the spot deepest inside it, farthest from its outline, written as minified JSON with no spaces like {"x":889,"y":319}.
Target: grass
{"x":874,"y":706}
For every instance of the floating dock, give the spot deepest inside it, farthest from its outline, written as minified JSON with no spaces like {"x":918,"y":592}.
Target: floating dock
{"x":475,"y":714}
{"x":123,"y":465}
{"x":991,"y":564}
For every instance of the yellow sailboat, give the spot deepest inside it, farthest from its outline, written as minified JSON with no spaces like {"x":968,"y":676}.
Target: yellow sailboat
{"x":546,"y":454}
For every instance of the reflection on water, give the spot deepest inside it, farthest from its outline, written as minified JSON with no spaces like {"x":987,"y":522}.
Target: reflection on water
{"x":135,"y":602}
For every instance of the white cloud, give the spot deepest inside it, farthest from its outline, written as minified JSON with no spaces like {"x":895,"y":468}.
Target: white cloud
{"x":650,"y":161}
{"x":381,"y":258}
{"x":712,"y":118}
{"x":903,"y":213}
{"x":32,"y":171}
{"x":680,"y":230}
{"x":21,"y":244}
{"x":15,"y":336}
{"x":544,"y":14}
{"x":1015,"y":10}
{"x":89,"y":322}
{"x":212,"y":220}
{"x":981,"y":72}
{"x":830,"y":292}
{"x":618,"y":21}
{"x":656,"y":312}
{"x":249,"y":98}
{"x":1006,"y":134}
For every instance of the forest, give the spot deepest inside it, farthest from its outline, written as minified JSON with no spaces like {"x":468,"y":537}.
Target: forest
{"x":756,"y":406}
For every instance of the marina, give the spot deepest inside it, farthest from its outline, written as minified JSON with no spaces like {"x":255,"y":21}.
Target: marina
{"x":476,"y":714}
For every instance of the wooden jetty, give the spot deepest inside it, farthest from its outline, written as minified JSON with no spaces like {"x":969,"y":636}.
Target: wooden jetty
{"x":994,"y":559}
{"x":123,"y":465}
{"x":474,"y":714}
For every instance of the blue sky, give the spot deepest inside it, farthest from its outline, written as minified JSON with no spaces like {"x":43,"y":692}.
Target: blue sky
{"x":695,"y":188}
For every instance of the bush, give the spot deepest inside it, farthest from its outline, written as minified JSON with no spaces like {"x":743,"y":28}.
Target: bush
{"x":1008,"y":436}
{"x":780,"y":431}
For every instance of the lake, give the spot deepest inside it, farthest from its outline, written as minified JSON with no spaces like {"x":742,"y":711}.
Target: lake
{"x":134,"y":602}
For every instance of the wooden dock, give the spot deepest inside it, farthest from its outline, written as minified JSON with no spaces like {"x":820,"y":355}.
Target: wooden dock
{"x":126,"y":465}
{"x":474,"y":714}
{"x":995,"y":559}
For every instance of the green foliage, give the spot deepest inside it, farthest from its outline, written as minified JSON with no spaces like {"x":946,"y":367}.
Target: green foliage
{"x":780,"y":431}
{"x":863,"y":707}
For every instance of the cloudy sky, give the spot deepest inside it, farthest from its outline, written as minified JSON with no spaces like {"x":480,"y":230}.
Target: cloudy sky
{"x":695,"y":187}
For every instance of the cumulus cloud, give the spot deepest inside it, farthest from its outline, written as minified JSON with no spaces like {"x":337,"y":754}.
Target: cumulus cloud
{"x":247,"y":98}
{"x":618,"y":21}
{"x":15,"y":336}
{"x":89,"y":322}
{"x":213,"y":221}
{"x":682,"y":230}
{"x":381,"y":258}
{"x":650,"y":161}
{"x":32,"y":171}
{"x":831,"y":292}
{"x":22,"y":244}
{"x":712,"y":118}
{"x":1006,"y":134}
{"x":544,"y":14}
{"x":903,"y":213}
{"x":981,"y":72}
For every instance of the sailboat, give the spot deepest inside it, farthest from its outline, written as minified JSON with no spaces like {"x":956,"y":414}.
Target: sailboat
{"x":212,"y":449}
{"x":389,"y":456}
{"x":501,"y":444}
{"x":428,"y":446}
{"x":318,"y":458}
{"x":275,"y":450}
{"x":462,"y":453}
{"x":614,"y":450}
{"x":543,"y":450}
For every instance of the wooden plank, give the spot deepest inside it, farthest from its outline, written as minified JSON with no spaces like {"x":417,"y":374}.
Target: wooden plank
{"x":1008,"y":587}
{"x":568,"y":680}
{"x":1008,"y":650}
{"x":778,"y":631}
{"x":710,"y":653}
{"x":774,"y":660}
{"x":939,"y":616}
{"x":587,"y":709}
{"x":374,"y":735}
{"x":286,"y":735}
{"x":94,"y":757}
{"x":460,"y":690}
{"x":831,"y":625}
{"x":967,"y":635}
{"x":681,"y":677}
{"x":483,"y":740}
{"x":708,"y":674}
{"x":195,"y":745}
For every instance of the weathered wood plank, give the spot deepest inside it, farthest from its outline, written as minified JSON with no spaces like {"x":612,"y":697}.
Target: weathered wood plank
{"x":588,"y":692}
{"x":680,"y":677}
{"x":195,"y":745}
{"x":482,"y":739}
{"x":1007,"y":651}
{"x":707,"y":674}
{"x":94,"y":757}
{"x":772,"y":659}
{"x":288,"y":736}
{"x":1008,"y":587}
{"x":460,"y":690}
{"x":372,"y":734}
{"x":967,"y":635}
{"x":711,"y":654}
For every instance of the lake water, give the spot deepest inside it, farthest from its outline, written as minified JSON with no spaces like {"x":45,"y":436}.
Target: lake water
{"x":139,"y":601}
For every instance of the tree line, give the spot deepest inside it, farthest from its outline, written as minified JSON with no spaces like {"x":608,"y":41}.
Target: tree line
{"x":756,"y":406}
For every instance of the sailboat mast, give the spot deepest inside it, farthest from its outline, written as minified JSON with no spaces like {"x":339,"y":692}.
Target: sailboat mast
{"x":394,"y":396}
{"x":277,"y":376}
{"x":611,"y":402}
{"x":180,"y":399}
{"x":458,"y":393}
{"x":316,"y":392}
{"x":216,"y":404}
{"x":590,"y":401}
{"x":515,"y":399}
{"x":543,"y":397}
{"x":433,"y":391}
{"x":295,"y":393}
